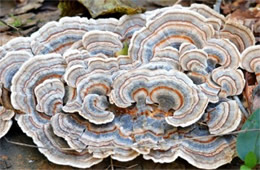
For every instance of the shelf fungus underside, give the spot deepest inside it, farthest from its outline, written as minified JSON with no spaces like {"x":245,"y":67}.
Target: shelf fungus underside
{"x":73,"y":92}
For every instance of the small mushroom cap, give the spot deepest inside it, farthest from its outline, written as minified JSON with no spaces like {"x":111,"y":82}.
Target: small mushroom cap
{"x":213,"y":17}
{"x":94,"y":109}
{"x":223,"y":52}
{"x":77,"y":57}
{"x":232,"y":81}
{"x":169,"y":31}
{"x":91,"y":101}
{"x":224,"y":118}
{"x":166,"y":58}
{"x":129,"y":24}
{"x":251,"y":60}
{"x":57,"y":36}
{"x":210,"y":89}
{"x":6,"y":122}
{"x":238,"y":34}
{"x":10,"y":64}
{"x":186,"y":47}
{"x":49,"y":96}
{"x":194,"y":60}
{"x":104,"y":42}
{"x":209,"y":13}
{"x":16,"y":44}
{"x":215,"y":22}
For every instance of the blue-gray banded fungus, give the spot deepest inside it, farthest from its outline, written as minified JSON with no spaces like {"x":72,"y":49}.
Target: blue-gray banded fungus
{"x":69,"y":86}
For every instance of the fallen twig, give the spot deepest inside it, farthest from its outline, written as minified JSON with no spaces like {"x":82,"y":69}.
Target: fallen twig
{"x":131,"y":166}
{"x":12,"y":27}
{"x":216,"y":6}
{"x":111,"y":163}
{"x":242,"y":108}
{"x":177,"y":2}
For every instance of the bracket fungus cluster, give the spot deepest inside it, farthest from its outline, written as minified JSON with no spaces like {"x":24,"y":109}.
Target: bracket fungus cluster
{"x":70,"y":89}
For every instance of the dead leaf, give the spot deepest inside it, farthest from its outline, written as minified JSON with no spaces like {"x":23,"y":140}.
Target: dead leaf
{"x":103,"y":7}
{"x":26,"y":6}
{"x":7,"y":36}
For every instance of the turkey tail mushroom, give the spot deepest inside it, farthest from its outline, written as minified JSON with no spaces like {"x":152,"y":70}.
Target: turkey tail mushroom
{"x":168,"y":96}
{"x":251,"y":61}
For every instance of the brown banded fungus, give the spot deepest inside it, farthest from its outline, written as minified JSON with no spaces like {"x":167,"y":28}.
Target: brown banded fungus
{"x":224,"y":118}
{"x":232,"y":81}
{"x":5,"y":119}
{"x":251,"y":61}
{"x":80,"y":101}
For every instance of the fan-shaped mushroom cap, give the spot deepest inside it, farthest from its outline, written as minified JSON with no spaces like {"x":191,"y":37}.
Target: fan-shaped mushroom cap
{"x":129,"y":24}
{"x":169,"y":31}
{"x":238,"y":34}
{"x":104,"y":42}
{"x":33,"y":72}
{"x":224,"y":118}
{"x":5,"y":120}
{"x":16,"y":44}
{"x":210,"y":89}
{"x":76,"y":57}
{"x":223,"y":52}
{"x":251,"y":60}
{"x":202,"y":151}
{"x":212,"y":16}
{"x":194,"y":60}
{"x":10,"y":64}
{"x":172,"y":90}
{"x":57,"y":36}
{"x":49,"y":95}
{"x":232,"y":81}
{"x":94,"y":109}
{"x":166,"y":58}
{"x":186,"y":47}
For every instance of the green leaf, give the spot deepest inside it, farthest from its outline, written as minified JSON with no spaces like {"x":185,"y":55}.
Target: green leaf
{"x":123,"y":51}
{"x":244,"y":167}
{"x":97,"y":7}
{"x":250,"y":140}
{"x":251,"y":160}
